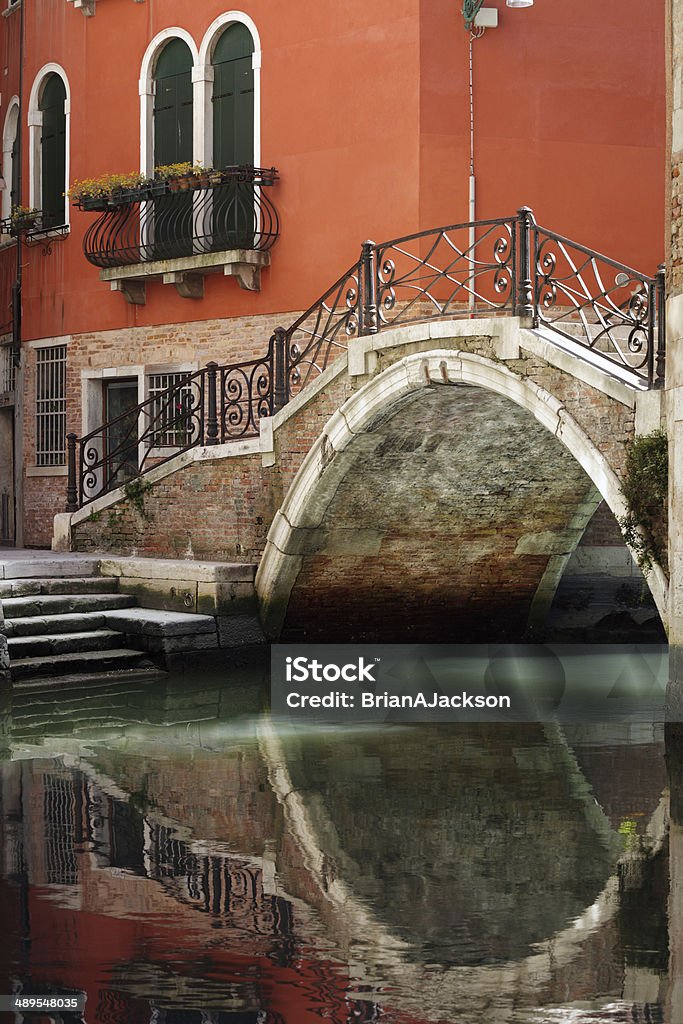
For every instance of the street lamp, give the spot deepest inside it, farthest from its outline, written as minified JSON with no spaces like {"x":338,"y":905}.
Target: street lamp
{"x":471,"y":8}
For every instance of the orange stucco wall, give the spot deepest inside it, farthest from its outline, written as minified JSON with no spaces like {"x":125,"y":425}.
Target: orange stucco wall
{"x":365,"y":112}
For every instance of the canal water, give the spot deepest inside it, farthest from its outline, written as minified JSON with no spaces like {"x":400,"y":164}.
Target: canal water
{"x":177,"y":855}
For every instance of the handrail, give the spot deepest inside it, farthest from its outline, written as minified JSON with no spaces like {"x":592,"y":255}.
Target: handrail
{"x":499,"y":267}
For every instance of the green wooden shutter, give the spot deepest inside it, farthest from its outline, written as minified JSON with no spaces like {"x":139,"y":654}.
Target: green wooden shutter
{"x":53,"y":152}
{"x":173,"y":144}
{"x":173,"y":105}
{"x":233,"y":98}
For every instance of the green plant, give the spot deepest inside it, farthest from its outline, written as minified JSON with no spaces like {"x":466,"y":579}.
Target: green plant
{"x":135,"y":492}
{"x":645,"y":488}
{"x":173,"y":170}
{"x":103,"y":187}
{"x":628,"y":830}
{"x":95,"y":517}
{"x":23,"y":214}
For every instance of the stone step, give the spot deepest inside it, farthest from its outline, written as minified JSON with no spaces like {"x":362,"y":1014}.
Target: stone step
{"x":60,"y":604}
{"x":40,"y":625}
{"x":83,"y":585}
{"x":44,"y":686}
{"x":46,"y":645}
{"x":47,"y":565}
{"x":86,"y":663}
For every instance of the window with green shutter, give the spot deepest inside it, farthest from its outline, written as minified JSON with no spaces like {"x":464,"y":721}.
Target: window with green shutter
{"x":173,"y":105}
{"x":233,"y":98}
{"x":53,"y":152}
{"x":234,"y":219}
{"x":173,"y":145}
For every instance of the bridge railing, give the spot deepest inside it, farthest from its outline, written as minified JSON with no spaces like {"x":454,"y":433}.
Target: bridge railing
{"x":502,"y":267}
{"x":599,"y":304}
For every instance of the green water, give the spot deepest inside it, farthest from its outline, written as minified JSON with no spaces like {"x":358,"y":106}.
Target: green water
{"x":179,"y":856}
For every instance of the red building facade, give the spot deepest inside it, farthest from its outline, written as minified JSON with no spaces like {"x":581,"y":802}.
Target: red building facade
{"x":367,"y":115}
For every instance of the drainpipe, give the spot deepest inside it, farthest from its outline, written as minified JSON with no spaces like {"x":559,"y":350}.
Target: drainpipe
{"x":16,"y":287}
{"x":18,"y":440}
{"x":472,"y":180}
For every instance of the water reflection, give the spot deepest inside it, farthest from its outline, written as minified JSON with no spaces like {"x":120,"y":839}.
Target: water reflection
{"x":208,"y":865}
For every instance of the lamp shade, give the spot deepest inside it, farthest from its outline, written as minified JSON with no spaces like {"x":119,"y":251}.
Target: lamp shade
{"x":519,"y":3}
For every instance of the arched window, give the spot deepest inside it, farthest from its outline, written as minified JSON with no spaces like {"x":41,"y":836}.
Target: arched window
{"x":233,"y":97}
{"x":52,"y":107}
{"x":173,"y":128}
{"x":10,"y":159}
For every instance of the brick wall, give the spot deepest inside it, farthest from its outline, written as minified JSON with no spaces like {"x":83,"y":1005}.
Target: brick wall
{"x":224,"y":341}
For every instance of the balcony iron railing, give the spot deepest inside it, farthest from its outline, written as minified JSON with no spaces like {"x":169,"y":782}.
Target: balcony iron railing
{"x":503,"y":267}
{"x":169,"y":219}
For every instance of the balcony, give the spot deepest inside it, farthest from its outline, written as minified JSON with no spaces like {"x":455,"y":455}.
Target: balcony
{"x":181,"y":229}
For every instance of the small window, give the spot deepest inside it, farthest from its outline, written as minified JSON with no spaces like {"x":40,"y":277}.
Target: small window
{"x":171,"y":415}
{"x":53,"y":152}
{"x":7,"y":368}
{"x":51,"y":406}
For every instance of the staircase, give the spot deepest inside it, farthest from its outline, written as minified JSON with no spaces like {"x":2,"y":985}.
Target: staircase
{"x":59,"y":628}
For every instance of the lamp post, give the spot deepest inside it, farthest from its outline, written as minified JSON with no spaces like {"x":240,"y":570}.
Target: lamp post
{"x":477,"y":18}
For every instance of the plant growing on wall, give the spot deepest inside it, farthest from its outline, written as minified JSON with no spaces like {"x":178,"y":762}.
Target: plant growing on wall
{"x":645,"y":488}
{"x":135,"y":491}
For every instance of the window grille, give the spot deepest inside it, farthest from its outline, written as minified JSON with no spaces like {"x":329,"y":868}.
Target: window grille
{"x":7,"y":368}
{"x":51,"y":406}
{"x":171,"y":415}
{"x":59,"y":809}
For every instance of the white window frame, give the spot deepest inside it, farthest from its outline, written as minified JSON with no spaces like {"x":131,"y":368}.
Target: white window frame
{"x":35,"y":124}
{"x":9,"y":134}
{"x":204,"y":86}
{"x":42,"y":416}
{"x":146,"y":88}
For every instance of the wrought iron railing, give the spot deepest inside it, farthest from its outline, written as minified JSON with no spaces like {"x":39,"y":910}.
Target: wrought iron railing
{"x":600,"y":304}
{"x":164,"y":220}
{"x":504,"y":267}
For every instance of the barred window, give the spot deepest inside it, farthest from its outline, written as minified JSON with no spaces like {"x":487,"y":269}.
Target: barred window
{"x":51,"y":406}
{"x":171,"y":415}
{"x":60,"y":823}
{"x":6,"y":368}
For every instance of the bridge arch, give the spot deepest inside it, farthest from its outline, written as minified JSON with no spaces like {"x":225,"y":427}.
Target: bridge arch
{"x":297,"y":525}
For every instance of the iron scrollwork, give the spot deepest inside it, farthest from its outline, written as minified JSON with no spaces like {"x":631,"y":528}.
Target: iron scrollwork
{"x":232,"y":211}
{"x":595,"y":302}
{"x":460,"y":270}
{"x":246,"y":396}
{"x":323,"y":331}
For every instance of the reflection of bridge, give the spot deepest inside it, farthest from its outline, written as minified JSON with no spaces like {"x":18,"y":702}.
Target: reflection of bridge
{"x":139,"y":857}
{"x":347,"y":459}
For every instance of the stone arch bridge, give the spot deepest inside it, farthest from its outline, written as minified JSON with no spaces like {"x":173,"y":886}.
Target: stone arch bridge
{"x":427,"y":451}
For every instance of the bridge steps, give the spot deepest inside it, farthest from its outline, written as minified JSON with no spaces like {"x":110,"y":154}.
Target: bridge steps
{"x":47,"y":645}
{"x":75,"y":585}
{"x":68,"y":663}
{"x":63,"y":604}
{"x":68,"y":630}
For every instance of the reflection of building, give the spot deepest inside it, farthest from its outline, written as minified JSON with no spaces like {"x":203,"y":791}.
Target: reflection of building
{"x":185,"y":932}
{"x":365,"y":112}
